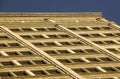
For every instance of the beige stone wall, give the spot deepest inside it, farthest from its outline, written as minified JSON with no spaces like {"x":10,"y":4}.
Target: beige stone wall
{"x":58,"y":46}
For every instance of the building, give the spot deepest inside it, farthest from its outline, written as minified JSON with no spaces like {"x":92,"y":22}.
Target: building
{"x":58,"y":46}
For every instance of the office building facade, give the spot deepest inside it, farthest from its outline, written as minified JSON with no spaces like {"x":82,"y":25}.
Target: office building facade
{"x":58,"y":46}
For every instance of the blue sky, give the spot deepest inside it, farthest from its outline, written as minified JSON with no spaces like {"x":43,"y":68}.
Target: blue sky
{"x":109,"y":8}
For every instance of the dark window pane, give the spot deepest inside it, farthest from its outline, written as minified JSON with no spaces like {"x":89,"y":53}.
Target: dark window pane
{"x":51,"y":52}
{"x":98,"y":42}
{"x":93,"y":70}
{"x":79,"y":70}
{"x":72,"y":28}
{"x":26,"y":29}
{"x":14,"y":45}
{"x":39,"y":62}
{"x":50,"y":43}
{"x":38,"y":36}
{"x":96,"y":35}
{"x":15,"y":29}
{"x":109,"y":69}
{"x":106,"y":59}
{"x":77,"y":60}
{"x":107,"y":28}
{"x":14,"y":53}
{"x":91,"y":51}
{"x":5,"y":74}
{"x":64,"y":35}
{"x":21,"y":73}
{"x":77,"y":43}
{"x":2,"y":45}
{"x":109,"y":34}
{"x":96,"y":28}
{"x":65,"y":43}
{"x":85,"y":35}
{"x":63,"y":51}
{"x":25,"y":62}
{"x":26,"y":52}
{"x":38,"y":44}
{"x":41,"y":29}
{"x":64,"y":61}
{"x":52,"y":36}
{"x":83,"y":28}
{"x":54,"y":72}
{"x":26,"y":36}
{"x":39,"y":72}
{"x":4,"y":37}
{"x":93,"y":59}
{"x":9,"y":63}
{"x":52,"y":29}
{"x":79,"y":51}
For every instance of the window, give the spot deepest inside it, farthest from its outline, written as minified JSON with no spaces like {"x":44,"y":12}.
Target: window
{"x":85,"y":35}
{"x":117,"y":34}
{"x":38,"y":44}
{"x":91,"y":51}
{"x":118,"y":40}
{"x":26,"y":52}
{"x":64,"y":35}
{"x":77,"y":43}
{"x":52,"y":29}
{"x":79,"y":51}
{"x":72,"y":28}
{"x":39,"y":62}
{"x":25,"y":62}
{"x":106,"y":59}
{"x":54,"y":72}
{"x":9,"y":63}
{"x":110,"y":42}
{"x":2,"y":45}
{"x":93,"y":70}
{"x":38,"y":36}
{"x":80,"y":70}
{"x":109,"y":69}
{"x":21,"y":73}
{"x":93,"y":59}
{"x":77,"y":60}
{"x":26,"y":36}
{"x":52,"y":36}
{"x":14,"y":44}
{"x":63,"y":51}
{"x":107,"y":78}
{"x":39,"y":72}
{"x":109,"y":34}
{"x":99,"y":42}
{"x":0,"y":54}
{"x":96,"y":35}
{"x":96,"y":28}
{"x":5,"y":74}
{"x":113,"y":50}
{"x":83,"y":28}
{"x":65,"y":43}
{"x":64,"y":60}
{"x":50,"y":43}
{"x":107,"y":28}
{"x":15,"y":29}
{"x":4,"y":37}
{"x":118,"y":68}
{"x":13,"y":53}
{"x":27,"y":29}
{"x":51,"y":52}
{"x":41,"y":29}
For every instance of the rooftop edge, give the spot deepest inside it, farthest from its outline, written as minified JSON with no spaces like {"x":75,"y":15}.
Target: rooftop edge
{"x":50,"y":13}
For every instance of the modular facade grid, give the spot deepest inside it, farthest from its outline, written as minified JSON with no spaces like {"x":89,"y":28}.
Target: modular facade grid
{"x":59,"y":46}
